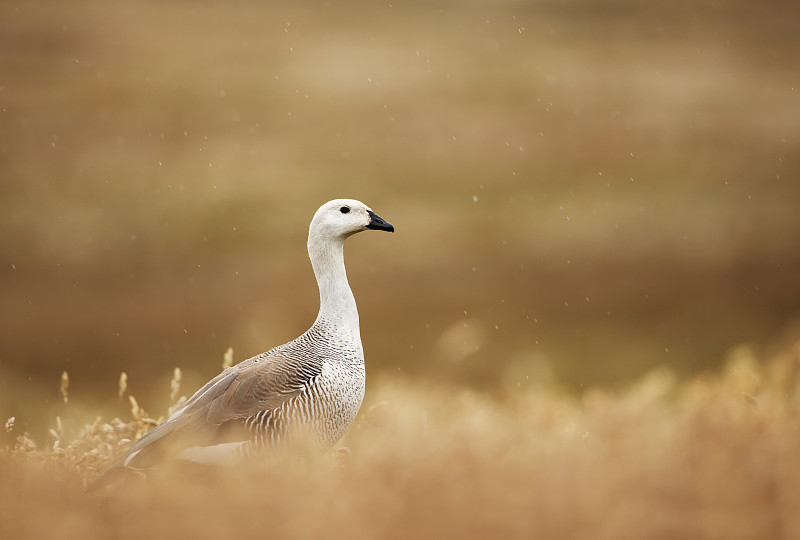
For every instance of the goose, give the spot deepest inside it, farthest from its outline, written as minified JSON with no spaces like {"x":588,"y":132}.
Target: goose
{"x":312,"y":385}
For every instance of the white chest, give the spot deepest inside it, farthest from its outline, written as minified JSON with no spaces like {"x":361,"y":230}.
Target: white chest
{"x":340,"y":393}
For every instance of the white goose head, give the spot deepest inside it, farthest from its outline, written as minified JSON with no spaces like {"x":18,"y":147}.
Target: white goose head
{"x":340,"y":218}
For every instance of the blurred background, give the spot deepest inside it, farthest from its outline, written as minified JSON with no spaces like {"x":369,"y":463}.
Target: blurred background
{"x":582,"y":190}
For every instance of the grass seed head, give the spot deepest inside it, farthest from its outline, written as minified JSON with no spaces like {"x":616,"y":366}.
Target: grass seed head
{"x":123,"y":385}
{"x":227,"y":359}
{"x":175,"y":384}
{"x":65,"y":387}
{"x":136,"y":411}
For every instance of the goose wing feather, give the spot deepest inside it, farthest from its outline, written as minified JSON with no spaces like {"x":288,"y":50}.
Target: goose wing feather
{"x":261,"y":383}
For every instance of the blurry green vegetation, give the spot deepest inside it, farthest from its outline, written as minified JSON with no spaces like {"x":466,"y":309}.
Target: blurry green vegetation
{"x":582,"y":190}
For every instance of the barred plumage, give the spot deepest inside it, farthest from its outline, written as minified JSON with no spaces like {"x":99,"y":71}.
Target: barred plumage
{"x":311,"y":387}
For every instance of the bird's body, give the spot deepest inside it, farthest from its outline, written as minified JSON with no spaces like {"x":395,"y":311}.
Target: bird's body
{"x":310,"y":388}
{"x":328,"y":399}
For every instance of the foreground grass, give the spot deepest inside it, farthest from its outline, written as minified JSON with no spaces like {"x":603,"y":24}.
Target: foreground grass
{"x":714,"y":457}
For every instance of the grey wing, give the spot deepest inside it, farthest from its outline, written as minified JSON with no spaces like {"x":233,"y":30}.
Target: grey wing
{"x":217,"y":411}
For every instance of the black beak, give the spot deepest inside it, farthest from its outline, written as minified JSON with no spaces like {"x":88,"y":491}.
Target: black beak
{"x":377,"y":223}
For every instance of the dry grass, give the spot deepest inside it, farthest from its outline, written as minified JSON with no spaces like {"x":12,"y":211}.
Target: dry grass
{"x":715,"y":457}
{"x":587,"y":182}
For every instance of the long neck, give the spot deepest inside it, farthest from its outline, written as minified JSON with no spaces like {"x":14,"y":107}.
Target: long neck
{"x":337,"y":304}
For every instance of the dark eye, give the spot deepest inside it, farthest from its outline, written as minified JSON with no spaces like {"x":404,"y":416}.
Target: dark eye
{"x":344,"y":209}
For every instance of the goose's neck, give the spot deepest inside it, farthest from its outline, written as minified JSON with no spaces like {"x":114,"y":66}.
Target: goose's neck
{"x":337,"y":305}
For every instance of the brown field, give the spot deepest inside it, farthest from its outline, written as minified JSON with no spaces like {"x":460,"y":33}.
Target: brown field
{"x":586,"y":324}
{"x":715,"y":457}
